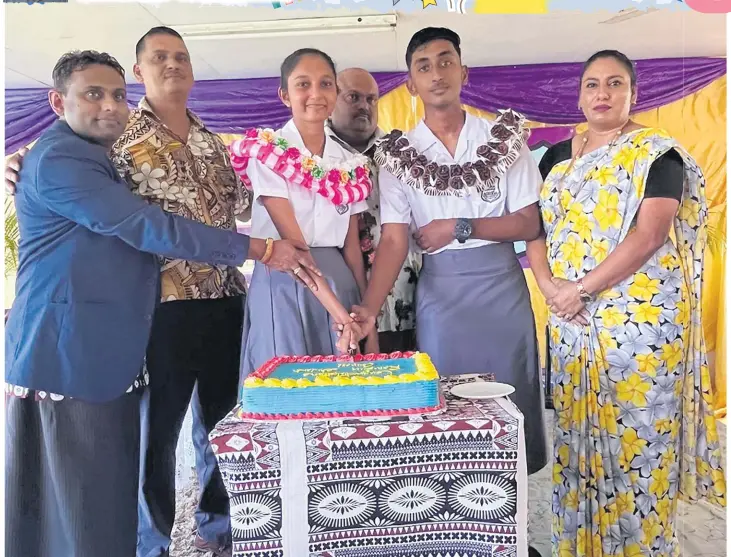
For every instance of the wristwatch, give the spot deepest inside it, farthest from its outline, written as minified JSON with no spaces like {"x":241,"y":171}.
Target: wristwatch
{"x":583,"y":294}
{"x":462,"y":230}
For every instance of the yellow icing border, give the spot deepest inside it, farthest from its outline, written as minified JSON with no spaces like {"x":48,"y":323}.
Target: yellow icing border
{"x":425,"y":371}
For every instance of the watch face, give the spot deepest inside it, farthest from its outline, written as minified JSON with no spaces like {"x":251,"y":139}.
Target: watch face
{"x":463,"y":231}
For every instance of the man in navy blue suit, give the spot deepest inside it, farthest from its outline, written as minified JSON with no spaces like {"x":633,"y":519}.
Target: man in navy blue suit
{"x":87,"y":287}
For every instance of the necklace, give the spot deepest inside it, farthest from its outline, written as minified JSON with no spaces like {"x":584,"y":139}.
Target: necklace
{"x":580,"y":153}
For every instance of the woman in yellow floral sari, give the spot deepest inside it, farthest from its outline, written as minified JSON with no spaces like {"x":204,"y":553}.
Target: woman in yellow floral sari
{"x":631,"y":387}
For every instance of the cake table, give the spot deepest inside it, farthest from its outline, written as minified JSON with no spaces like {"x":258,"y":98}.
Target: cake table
{"x":452,"y":484}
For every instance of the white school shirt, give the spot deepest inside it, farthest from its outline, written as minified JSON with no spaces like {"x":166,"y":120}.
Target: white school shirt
{"x":318,"y":218}
{"x":402,"y":204}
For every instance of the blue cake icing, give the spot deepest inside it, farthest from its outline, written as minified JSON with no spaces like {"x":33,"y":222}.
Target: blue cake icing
{"x":400,"y":384}
{"x":377,"y":368}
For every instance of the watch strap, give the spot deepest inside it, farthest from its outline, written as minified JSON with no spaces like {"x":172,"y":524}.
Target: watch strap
{"x":583,"y":294}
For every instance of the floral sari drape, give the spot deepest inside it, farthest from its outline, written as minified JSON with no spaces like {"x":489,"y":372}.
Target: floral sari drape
{"x":632,"y":391}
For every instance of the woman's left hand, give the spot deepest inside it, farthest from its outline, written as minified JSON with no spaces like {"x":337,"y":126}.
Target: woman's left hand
{"x":566,"y":302}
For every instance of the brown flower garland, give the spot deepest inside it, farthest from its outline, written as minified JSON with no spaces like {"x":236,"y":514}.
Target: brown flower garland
{"x":507,"y":137}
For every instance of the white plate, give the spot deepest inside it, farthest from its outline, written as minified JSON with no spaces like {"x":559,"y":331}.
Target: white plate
{"x":482,"y":390}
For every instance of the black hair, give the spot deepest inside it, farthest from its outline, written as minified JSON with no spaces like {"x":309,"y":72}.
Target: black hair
{"x":628,"y":64}
{"x":429,"y":34}
{"x":77,"y":60}
{"x":291,"y":61}
{"x":162,"y":30}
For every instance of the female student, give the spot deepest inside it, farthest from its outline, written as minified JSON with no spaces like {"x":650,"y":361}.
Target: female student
{"x":309,"y":189}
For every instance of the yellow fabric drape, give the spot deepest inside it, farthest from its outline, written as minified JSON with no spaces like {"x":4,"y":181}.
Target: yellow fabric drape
{"x":512,"y":7}
{"x":698,"y":122}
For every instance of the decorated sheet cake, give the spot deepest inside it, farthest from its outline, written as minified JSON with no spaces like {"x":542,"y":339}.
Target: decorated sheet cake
{"x":315,"y":387}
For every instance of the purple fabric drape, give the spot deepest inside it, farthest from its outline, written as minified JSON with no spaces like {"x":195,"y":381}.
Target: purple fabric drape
{"x":548,"y":93}
{"x":549,"y":136}
{"x":544,"y":93}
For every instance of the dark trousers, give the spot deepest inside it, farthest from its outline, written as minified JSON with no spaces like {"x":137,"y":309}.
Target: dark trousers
{"x":71,"y":477}
{"x":394,"y":341}
{"x":194,"y":344}
{"x":397,"y":341}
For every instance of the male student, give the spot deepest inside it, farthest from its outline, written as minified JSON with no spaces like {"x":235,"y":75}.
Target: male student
{"x":468,"y":187}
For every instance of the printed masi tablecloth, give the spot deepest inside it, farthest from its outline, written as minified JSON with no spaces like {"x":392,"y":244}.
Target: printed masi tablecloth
{"x":452,"y":484}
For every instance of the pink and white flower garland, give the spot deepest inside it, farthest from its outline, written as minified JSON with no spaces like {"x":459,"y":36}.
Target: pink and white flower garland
{"x":345,"y":184}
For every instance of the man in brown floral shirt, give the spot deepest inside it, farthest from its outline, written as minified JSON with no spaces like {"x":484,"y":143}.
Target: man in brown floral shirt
{"x":169,"y":157}
{"x":354,"y":124}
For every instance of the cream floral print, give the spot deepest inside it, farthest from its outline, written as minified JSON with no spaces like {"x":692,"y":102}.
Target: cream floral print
{"x":148,"y":178}
{"x":198,"y":145}
{"x":632,"y":391}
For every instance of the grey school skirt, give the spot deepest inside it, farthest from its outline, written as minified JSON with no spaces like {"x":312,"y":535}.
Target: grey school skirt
{"x":474,"y":315}
{"x":283,"y":318}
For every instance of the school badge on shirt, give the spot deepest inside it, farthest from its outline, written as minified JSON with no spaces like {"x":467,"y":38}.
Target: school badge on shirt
{"x":491,"y":192}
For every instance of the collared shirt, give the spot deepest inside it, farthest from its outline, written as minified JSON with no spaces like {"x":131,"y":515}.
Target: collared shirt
{"x":399,"y":310}
{"x":193,"y":179}
{"x":403,"y":204}
{"x":319,"y":220}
